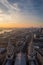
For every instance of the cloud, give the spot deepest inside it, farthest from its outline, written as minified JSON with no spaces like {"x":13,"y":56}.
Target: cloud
{"x":6,"y":6}
{"x":29,"y":5}
{"x":34,"y":7}
{"x":5,"y":17}
{"x":21,"y":11}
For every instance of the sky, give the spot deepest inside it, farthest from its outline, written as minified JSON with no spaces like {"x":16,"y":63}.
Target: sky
{"x":21,"y":13}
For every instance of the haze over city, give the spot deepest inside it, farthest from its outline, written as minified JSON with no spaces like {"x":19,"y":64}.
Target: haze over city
{"x":21,"y":13}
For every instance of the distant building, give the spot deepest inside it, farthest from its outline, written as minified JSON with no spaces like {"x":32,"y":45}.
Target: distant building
{"x":2,"y":54}
{"x":41,"y":30}
{"x":40,"y":56}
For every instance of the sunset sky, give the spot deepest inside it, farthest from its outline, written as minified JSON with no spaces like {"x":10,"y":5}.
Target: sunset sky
{"x":21,"y":13}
